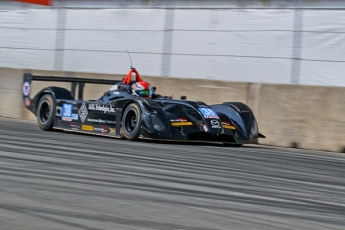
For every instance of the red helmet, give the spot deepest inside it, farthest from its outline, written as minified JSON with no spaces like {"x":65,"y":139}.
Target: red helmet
{"x":142,"y":89}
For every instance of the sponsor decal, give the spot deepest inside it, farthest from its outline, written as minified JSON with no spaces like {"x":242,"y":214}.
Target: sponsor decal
{"x":27,"y":101}
{"x":179,"y":119}
{"x":103,"y":108}
{"x":144,"y":100}
{"x":227,"y":125}
{"x":74,"y":116}
{"x":96,"y":120}
{"x":112,"y":131}
{"x":83,"y":112}
{"x":181,"y":123}
{"x":208,"y":113}
{"x":67,"y":112}
{"x":74,"y":126}
{"x":101,"y":121}
{"x":215,"y":124}
{"x":26,"y":88}
{"x":103,"y":129}
{"x":87,"y":127}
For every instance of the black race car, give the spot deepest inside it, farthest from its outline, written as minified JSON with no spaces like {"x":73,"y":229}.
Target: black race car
{"x":118,"y":113}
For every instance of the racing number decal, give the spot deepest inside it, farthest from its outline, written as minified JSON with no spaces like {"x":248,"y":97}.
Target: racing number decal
{"x":208,"y":113}
{"x":67,"y":112}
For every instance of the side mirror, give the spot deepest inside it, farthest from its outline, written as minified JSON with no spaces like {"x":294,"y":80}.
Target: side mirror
{"x":183,"y":97}
{"x":154,"y":88}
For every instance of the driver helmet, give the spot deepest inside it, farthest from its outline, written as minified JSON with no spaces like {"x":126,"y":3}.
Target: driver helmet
{"x":142,"y":89}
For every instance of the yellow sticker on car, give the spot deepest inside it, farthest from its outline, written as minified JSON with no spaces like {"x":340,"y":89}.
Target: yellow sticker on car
{"x":229,"y":127}
{"x":87,"y":127}
{"x":111,"y":130}
{"x":181,"y":123}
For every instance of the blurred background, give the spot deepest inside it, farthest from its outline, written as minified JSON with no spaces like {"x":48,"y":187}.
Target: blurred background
{"x":284,"y":58}
{"x":277,"y":41}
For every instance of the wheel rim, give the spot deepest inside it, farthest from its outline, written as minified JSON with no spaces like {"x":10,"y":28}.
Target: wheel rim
{"x":44,"y":111}
{"x":131,"y":121}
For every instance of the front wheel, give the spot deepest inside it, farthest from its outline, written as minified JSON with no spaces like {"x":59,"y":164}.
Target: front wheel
{"x":131,"y":122}
{"x":46,"y":112}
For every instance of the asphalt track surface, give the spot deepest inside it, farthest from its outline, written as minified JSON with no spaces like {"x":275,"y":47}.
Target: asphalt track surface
{"x":61,"y":180}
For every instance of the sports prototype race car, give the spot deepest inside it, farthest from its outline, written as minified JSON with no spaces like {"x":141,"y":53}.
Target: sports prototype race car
{"x":119,"y":113}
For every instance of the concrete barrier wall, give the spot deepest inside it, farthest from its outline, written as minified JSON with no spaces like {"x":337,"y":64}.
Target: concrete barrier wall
{"x":309,"y":117}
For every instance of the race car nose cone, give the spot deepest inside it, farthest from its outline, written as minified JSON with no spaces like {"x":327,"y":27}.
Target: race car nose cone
{"x":214,"y":125}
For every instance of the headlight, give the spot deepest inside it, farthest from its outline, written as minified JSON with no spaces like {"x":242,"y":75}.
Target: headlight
{"x":254,"y":128}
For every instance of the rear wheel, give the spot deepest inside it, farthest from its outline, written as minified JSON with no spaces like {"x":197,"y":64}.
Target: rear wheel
{"x":131,"y":122}
{"x":46,"y":112}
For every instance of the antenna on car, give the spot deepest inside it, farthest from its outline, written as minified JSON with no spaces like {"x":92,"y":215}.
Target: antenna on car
{"x":130,"y":59}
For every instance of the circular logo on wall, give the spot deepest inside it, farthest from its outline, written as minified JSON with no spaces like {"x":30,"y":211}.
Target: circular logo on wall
{"x":26,"y":88}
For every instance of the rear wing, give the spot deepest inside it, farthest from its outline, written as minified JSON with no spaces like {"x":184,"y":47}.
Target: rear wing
{"x":28,"y":78}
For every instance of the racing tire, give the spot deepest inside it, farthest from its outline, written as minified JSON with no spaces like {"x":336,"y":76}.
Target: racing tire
{"x":46,"y":112}
{"x":131,"y":122}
